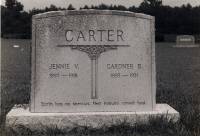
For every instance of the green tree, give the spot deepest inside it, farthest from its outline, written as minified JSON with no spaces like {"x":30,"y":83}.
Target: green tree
{"x":151,"y":3}
{"x":15,"y":21}
{"x":51,"y":8}
{"x":70,"y":7}
{"x":14,"y":5}
{"x":85,"y":7}
{"x":168,"y":20}
{"x":103,"y":6}
{"x":18,"y":6}
{"x":10,"y":4}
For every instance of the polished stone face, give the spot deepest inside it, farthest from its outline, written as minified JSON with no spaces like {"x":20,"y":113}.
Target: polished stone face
{"x":87,"y":61}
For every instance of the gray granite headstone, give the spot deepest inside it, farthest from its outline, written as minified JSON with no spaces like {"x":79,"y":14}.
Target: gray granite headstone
{"x":91,"y":68}
{"x":87,"y":61}
{"x":185,"y":41}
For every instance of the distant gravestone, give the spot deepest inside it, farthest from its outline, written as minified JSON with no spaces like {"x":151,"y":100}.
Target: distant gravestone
{"x":97,"y":65}
{"x":185,"y":41}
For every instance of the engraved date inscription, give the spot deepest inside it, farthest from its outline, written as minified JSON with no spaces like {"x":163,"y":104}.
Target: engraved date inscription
{"x":57,"y":75}
{"x":119,"y":75}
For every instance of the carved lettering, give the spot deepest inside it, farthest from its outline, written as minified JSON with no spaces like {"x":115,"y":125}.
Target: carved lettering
{"x":81,"y":36}
{"x":120,"y":35}
{"x":120,"y":66}
{"x":95,"y":35}
{"x":68,"y":35}
{"x":91,"y":35}
{"x":59,"y":66}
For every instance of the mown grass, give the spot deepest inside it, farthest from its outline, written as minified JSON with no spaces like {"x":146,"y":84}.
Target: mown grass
{"x":156,"y":127}
{"x":178,"y":76}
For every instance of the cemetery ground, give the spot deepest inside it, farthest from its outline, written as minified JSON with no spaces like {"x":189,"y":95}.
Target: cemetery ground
{"x":178,"y":84}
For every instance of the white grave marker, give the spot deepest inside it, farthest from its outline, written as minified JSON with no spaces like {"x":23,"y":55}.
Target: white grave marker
{"x":93,"y":61}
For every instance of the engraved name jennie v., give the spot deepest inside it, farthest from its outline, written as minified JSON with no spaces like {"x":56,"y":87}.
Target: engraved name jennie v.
{"x":94,"y":35}
{"x":94,"y":51}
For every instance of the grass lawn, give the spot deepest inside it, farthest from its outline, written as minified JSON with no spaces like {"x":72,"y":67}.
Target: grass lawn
{"x":178,"y":84}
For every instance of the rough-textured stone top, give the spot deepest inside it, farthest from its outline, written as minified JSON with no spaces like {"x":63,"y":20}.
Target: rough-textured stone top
{"x":91,"y":11}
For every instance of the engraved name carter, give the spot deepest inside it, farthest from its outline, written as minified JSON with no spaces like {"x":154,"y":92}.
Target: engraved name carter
{"x":94,"y":35}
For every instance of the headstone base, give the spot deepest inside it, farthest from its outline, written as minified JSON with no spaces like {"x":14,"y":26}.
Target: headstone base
{"x":21,"y":116}
{"x":186,"y":46}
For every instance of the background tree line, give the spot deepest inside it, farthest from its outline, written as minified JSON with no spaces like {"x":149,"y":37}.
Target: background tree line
{"x":168,"y":20}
